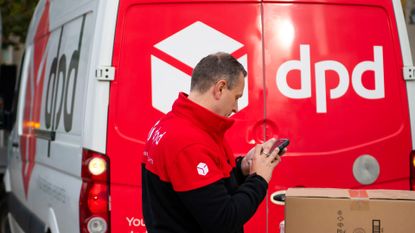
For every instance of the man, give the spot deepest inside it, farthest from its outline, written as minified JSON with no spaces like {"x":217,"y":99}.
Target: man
{"x":191,"y":181}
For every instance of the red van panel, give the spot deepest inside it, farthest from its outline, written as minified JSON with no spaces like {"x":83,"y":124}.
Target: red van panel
{"x":326,"y":75}
{"x":157,"y":46}
{"x":335,"y":88}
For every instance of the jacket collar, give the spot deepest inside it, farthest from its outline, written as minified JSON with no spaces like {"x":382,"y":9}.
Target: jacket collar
{"x":202,"y":117}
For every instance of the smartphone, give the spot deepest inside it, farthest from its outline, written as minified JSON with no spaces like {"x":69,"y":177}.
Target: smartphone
{"x":281,"y":144}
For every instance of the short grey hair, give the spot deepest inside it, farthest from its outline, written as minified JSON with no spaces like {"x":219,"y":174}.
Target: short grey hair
{"x":213,"y":68}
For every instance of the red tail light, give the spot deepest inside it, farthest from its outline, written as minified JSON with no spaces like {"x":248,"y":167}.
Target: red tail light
{"x":412,"y":167}
{"x":97,"y":198}
{"x":94,"y":204}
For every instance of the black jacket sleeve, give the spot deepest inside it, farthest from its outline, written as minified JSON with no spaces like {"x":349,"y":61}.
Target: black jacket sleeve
{"x":217,"y":211}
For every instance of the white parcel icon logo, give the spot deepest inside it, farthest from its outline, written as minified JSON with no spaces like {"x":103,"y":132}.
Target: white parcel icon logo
{"x":202,"y":169}
{"x":188,"y":46}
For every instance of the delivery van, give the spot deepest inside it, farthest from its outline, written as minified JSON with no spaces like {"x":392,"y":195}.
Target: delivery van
{"x":334,"y":76}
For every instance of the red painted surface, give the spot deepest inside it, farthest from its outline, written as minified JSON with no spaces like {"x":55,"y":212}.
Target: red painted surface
{"x":324,"y":145}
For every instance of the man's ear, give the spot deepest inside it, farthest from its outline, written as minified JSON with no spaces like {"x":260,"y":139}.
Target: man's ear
{"x":218,"y":88}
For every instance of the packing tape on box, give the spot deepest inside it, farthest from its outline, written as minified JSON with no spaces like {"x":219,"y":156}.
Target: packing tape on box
{"x":360,"y":200}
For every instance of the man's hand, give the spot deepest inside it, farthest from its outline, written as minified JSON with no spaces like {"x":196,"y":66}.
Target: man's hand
{"x":247,"y":161}
{"x":261,"y":160}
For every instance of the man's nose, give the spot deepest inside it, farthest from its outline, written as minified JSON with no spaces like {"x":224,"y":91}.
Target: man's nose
{"x":235,"y":108}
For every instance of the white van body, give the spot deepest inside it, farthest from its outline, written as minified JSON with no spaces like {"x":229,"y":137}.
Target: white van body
{"x":67,"y":41}
{"x":334,"y":76}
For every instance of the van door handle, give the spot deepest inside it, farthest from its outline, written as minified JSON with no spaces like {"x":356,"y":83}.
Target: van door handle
{"x":15,"y":145}
{"x":45,"y":134}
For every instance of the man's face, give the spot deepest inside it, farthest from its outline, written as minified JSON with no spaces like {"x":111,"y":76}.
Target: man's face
{"x":228,"y":102}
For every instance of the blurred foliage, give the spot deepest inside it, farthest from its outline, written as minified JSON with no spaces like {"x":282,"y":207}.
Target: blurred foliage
{"x":16,"y":16}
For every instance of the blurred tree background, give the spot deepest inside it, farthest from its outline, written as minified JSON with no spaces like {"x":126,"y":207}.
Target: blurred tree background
{"x":16,"y":15}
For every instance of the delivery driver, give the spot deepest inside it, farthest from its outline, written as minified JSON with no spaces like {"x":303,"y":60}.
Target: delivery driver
{"x":191,"y":180}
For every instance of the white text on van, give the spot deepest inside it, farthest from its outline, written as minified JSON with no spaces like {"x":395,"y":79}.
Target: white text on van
{"x":303,"y":65}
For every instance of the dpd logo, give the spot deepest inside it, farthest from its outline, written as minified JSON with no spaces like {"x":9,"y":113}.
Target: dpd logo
{"x":346,"y":78}
{"x":170,"y":74}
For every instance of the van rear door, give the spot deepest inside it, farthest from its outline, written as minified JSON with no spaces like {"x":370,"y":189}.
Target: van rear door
{"x":335,"y":87}
{"x":155,"y":52}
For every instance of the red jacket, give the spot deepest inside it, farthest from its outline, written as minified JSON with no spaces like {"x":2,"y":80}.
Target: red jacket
{"x":190,"y":175}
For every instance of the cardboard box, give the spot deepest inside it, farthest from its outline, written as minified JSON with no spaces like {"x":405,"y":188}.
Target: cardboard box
{"x":309,"y":210}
